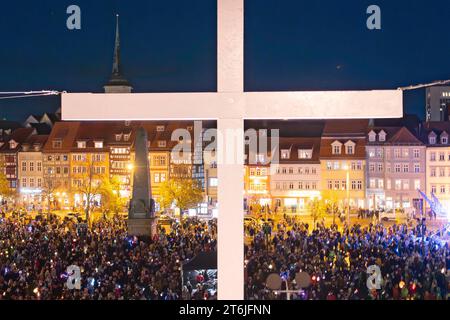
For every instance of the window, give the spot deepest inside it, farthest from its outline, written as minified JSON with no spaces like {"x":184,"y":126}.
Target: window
{"x":336,"y":185}
{"x":24,"y":182}
{"x":350,"y":148}
{"x":379,"y":153}
{"x":330,"y":184}
{"x":161,"y":144}
{"x":405,"y":153}
{"x":405,"y":168}
{"x":398,"y":184}
{"x":285,"y":154}
{"x":81,"y":144}
{"x":277,"y":186}
{"x":416,"y":153}
{"x":329,"y":165}
{"x":160,"y":128}
{"x":163,"y":177}
{"x":441,"y":156}
{"x":359,"y":183}
{"x":433,"y":156}
{"x":39,"y":166}
{"x":371,"y":152}
{"x":372,"y":183}
{"x":441,"y":172}
{"x":31,"y":182}
{"x":291,"y":185}
{"x":444,"y":140}
{"x":291,"y":170}
{"x":417,"y":184}
{"x":314,"y":185}
{"x":353,"y":185}
{"x":405,"y":184}
{"x":416,"y":168}
{"x":372,"y":167}
{"x":300,"y":185}
{"x":305,"y":153}
{"x":397,"y":153}
{"x":433,"y":172}
{"x":380,"y":167}
{"x":39,"y":182}
{"x":118,"y":137}
{"x":372,"y":136}
{"x":313,"y":171}
{"x":380,"y":183}
{"x":397,"y":168}
{"x":57,"y":144}
{"x":213,"y":182}
{"x":433,"y":189}
{"x":31,"y":166}
{"x":344,"y":184}
{"x":98,"y":144}
{"x":336,"y":147}
{"x":442,"y":189}
{"x":382,"y":136}
{"x":24,"y":166}
{"x":156,"y":178}
{"x":336,"y":165}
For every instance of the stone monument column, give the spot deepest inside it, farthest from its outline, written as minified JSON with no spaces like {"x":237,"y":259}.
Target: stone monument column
{"x":141,"y":213}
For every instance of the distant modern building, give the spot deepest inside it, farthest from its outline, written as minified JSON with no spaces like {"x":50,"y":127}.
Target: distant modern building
{"x":395,"y":168}
{"x":438,"y":103}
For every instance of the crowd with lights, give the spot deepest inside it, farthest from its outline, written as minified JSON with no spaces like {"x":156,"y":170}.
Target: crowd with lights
{"x":413,"y":262}
{"x":35,"y":255}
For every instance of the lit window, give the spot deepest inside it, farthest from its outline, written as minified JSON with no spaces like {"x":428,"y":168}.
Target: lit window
{"x":304,"y":153}
{"x":285,"y":154}
{"x":98,"y":144}
{"x":81,"y":144}
{"x":213,"y":182}
{"x":160,"y":128}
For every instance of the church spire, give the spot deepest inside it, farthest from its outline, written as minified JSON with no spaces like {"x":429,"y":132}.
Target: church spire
{"x":117,"y":83}
{"x":116,"y":62}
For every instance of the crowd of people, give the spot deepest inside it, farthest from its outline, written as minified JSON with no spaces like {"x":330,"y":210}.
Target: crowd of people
{"x":35,"y":255}
{"x":413,"y":262}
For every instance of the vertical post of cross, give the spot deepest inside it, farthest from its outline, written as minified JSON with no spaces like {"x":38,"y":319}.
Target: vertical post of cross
{"x":230,"y":79}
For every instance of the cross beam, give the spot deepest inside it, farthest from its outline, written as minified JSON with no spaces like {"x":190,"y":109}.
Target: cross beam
{"x":230,"y":106}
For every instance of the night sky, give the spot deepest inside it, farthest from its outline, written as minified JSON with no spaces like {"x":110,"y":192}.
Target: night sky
{"x":170,"y":45}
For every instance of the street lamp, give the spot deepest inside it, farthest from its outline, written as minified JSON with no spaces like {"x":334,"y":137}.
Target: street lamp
{"x":347,"y":169}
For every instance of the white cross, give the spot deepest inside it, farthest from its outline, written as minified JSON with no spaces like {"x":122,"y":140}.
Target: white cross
{"x":230,"y":106}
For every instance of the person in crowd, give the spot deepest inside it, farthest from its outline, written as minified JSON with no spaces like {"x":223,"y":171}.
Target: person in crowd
{"x":412,"y":266}
{"x":34,"y":258}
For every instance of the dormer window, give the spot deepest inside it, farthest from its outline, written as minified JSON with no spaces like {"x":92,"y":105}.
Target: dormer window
{"x":285,"y":154}
{"x":37,"y":147}
{"x":25,"y":147}
{"x":118,"y":137}
{"x":161,"y":144}
{"x":444,"y":138}
{"x":57,"y":144}
{"x":98,"y":144}
{"x":160,"y":128}
{"x":81,"y":144}
{"x":350,"y":147}
{"x":382,"y":136}
{"x":13,"y":144}
{"x":126,"y":137}
{"x":432,"y":138}
{"x":336,"y":147}
{"x":372,"y":136}
{"x":304,"y":153}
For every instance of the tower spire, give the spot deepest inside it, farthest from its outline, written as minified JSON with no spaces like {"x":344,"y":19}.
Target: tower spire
{"x":116,"y":62}
{"x":117,"y":83}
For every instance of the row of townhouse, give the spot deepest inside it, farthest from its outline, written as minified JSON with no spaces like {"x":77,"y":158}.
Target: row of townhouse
{"x":60,"y":163}
{"x":355,"y":162}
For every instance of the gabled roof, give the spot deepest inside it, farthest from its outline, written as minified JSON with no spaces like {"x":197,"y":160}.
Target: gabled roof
{"x":19,"y":135}
{"x":404,"y":136}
